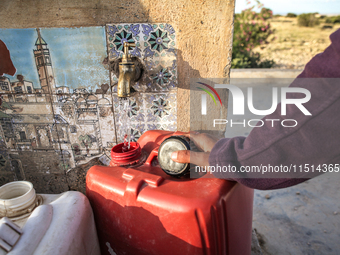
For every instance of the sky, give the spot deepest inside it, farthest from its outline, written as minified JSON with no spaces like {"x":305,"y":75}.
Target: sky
{"x":76,"y":54}
{"x":295,"y":6}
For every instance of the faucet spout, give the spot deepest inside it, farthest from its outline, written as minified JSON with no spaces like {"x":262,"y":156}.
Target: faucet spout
{"x":126,"y":77}
{"x":127,"y":72}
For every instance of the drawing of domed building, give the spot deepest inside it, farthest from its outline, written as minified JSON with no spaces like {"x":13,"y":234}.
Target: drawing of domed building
{"x":48,"y":128}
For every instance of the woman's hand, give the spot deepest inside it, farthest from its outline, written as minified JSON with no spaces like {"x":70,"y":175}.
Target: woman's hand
{"x":203,"y":142}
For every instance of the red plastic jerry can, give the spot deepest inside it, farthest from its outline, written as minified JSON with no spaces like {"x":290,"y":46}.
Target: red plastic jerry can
{"x":139,"y":209}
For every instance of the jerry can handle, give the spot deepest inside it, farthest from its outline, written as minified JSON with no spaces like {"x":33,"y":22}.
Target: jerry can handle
{"x":153,"y":154}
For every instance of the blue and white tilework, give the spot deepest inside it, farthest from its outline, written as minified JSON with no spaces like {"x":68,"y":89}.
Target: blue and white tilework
{"x":149,"y":111}
{"x":155,"y":106}
{"x":155,"y":47}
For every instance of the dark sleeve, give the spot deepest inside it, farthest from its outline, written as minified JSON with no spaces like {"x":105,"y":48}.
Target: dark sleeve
{"x":6,"y":65}
{"x":315,"y":140}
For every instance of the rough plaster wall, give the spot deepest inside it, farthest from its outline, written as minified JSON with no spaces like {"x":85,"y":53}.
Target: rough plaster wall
{"x":204,"y":39}
{"x":204,"y":30}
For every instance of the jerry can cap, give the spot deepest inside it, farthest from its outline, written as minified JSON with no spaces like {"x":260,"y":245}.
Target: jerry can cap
{"x":167,"y":147}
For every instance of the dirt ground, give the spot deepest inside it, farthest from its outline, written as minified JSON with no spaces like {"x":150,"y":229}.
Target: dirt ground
{"x":294,"y":46}
{"x":300,"y":220}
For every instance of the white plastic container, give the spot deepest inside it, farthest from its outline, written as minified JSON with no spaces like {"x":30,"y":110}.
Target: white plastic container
{"x":45,"y":224}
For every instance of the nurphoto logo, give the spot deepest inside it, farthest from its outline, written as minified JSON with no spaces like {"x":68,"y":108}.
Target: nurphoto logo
{"x":238,"y":104}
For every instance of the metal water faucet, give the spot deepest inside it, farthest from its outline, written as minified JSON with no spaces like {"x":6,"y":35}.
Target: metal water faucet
{"x":127,"y":72}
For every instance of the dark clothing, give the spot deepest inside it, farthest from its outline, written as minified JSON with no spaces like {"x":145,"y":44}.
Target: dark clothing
{"x":315,"y":140}
{"x":6,"y":65}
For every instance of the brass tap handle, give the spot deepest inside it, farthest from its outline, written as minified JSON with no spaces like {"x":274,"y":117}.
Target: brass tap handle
{"x":126,"y":48}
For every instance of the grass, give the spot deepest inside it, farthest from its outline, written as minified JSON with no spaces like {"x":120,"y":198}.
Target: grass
{"x":294,"y":46}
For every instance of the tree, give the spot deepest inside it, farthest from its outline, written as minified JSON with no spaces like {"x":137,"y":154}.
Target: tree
{"x":251,"y":29}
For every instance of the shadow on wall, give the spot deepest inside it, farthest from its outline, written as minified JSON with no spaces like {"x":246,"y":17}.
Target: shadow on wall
{"x":189,"y":104}
{"x":186,"y":72}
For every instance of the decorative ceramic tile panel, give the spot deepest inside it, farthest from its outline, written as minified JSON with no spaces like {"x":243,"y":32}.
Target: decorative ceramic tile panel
{"x":155,"y":47}
{"x":60,"y":111}
{"x":149,"y":111}
{"x":155,"y":105}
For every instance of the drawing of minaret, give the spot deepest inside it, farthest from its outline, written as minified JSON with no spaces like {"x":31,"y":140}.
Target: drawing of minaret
{"x":44,"y":65}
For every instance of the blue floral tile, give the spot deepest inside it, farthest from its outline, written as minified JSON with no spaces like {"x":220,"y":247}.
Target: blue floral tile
{"x":132,"y":108}
{"x":148,"y":52}
{"x":150,"y":117}
{"x":155,"y":47}
{"x":162,"y":77}
{"x":161,"y":108}
{"x":141,"y":128}
{"x":135,"y":134}
{"x":147,"y":111}
{"x":170,"y":29}
{"x":171,"y":127}
{"x":135,"y":29}
{"x":121,"y":38}
{"x":159,"y":40}
{"x":155,"y":106}
{"x":135,"y":110}
{"x":147,"y":28}
{"x":154,"y":126}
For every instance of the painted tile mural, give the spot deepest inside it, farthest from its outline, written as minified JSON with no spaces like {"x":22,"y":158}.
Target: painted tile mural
{"x":60,"y":110}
